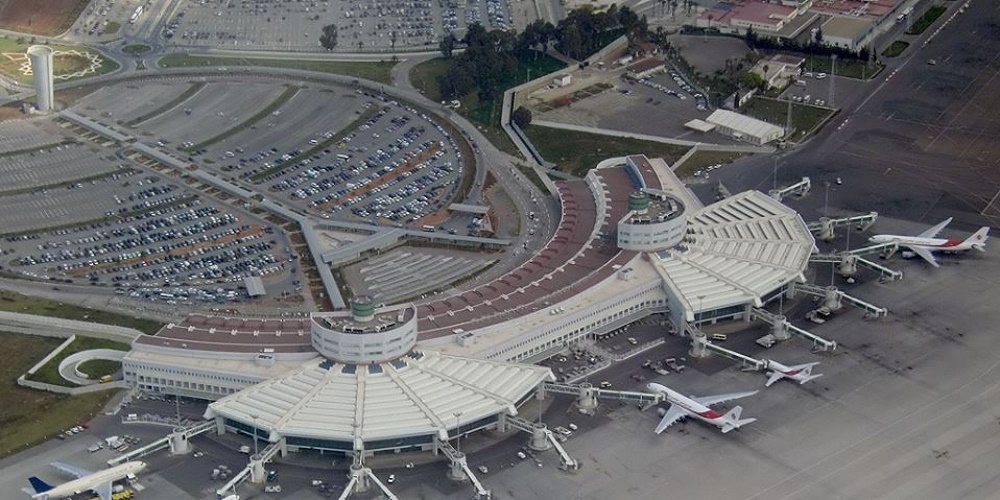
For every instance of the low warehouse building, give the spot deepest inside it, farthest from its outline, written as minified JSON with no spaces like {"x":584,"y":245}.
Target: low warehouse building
{"x":745,"y":128}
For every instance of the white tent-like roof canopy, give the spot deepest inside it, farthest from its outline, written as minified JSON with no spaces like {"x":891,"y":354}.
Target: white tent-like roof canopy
{"x":736,"y":251}
{"x":356,"y":406}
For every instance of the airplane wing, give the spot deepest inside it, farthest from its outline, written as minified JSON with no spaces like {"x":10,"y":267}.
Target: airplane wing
{"x":925,"y":254}
{"x":103,"y":490}
{"x":671,"y":417}
{"x":722,"y":398}
{"x":933,"y":231}
{"x":72,"y":470}
{"x":775,"y":376}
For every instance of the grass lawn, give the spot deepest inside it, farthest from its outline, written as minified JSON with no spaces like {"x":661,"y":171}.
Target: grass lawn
{"x":896,"y":48}
{"x":249,"y":122}
{"x":532,"y":175}
{"x":49,"y":372}
{"x":926,"y":20}
{"x":484,"y":115}
{"x":851,"y":68}
{"x":804,"y":117}
{"x":112,"y":28}
{"x":97,"y":368}
{"x":136,"y":48}
{"x":61,"y":64}
{"x":15,"y":302}
{"x":375,"y":71}
{"x":42,"y":17}
{"x":578,"y":152}
{"x":27,"y":416}
{"x":701,"y":159}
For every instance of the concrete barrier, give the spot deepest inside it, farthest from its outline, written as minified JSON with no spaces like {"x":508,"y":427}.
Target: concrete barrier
{"x":75,"y":359}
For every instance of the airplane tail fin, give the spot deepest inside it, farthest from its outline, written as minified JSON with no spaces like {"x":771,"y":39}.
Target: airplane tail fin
{"x":733,"y":420}
{"x":978,"y":238}
{"x":39,"y":485}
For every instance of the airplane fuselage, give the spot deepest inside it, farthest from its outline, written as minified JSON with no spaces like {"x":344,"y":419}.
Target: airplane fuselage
{"x":933,"y":244}
{"x":690,"y":406}
{"x":86,"y":483}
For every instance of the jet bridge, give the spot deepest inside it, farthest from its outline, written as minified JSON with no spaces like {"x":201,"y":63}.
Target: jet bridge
{"x":833,"y":298}
{"x":254,"y":470}
{"x":799,"y":188}
{"x":358,"y":480}
{"x":543,"y":439}
{"x":587,"y":395}
{"x":747,"y":362}
{"x":849,"y":262}
{"x":782,"y":329}
{"x":176,"y":440}
{"x":460,"y":470}
{"x":824,"y":227}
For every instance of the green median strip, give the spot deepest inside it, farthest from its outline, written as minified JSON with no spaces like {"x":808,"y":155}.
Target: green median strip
{"x":62,"y":184}
{"x":100,"y":220}
{"x":34,"y":149}
{"x":249,"y":122}
{"x":339,"y":136}
{"x":192,"y":90}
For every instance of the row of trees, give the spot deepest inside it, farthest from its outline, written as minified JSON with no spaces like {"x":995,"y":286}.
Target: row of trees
{"x":490,"y":59}
{"x":813,"y":47}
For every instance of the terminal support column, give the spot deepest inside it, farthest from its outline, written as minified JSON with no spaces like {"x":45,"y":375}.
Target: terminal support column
{"x":179,"y":442}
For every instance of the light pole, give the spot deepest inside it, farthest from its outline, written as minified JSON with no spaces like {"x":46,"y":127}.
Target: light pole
{"x":699,"y":309}
{"x":458,"y":432}
{"x":177,"y":406}
{"x":254,"y":417}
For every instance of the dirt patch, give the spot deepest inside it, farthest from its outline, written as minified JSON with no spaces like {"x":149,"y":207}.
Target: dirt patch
{"x":40,"y":17}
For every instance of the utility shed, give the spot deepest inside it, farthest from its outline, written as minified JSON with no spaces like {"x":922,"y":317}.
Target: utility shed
{"x":745,"y":128}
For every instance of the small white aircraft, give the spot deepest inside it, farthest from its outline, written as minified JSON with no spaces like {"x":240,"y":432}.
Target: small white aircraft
{"x":99,"y":482}
{"x":926,"y":243}
{"x":799,"y":373}
{"x":681,"y":407}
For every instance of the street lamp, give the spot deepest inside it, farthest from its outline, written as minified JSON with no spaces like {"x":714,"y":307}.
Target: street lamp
{"x":699,"y":309}
{"x":254,"y":417}
{"x":458,"y":432}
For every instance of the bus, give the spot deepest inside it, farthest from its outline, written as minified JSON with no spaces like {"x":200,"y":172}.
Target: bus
{"x":135,"y":15}
{"x":105,"y":379}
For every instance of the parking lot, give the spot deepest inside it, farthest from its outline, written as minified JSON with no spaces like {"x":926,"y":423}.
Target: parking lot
{"x":337,"y":152}
{"x":395,"y":167}
{"x":659,"y":105}
{"x":376,"y":25}
{"x":403,"y":273}
{"x":54,"y":165}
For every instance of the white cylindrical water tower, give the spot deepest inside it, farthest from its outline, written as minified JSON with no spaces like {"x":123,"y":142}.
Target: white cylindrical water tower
{"x":41,"y":68}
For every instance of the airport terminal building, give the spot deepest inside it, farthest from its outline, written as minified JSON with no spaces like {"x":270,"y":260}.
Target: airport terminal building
{"x":632,"y":240}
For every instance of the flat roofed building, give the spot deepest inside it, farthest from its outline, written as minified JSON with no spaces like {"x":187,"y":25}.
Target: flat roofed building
{"x":744,"y":128}
{"x":850,"y":33}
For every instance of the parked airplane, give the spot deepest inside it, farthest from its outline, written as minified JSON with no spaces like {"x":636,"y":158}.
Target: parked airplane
{"x":99,"y":482}
{"x":926,"y":243}
{"x":799,"y":373}
{"x":681,"y":407}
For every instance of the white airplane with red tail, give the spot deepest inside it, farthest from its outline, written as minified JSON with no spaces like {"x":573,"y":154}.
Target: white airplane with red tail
{"x":799,"y":373}
{"x":698,"y":407}
{"x":926,"y":243}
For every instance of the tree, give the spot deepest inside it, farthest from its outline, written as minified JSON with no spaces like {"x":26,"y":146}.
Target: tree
{"x":447,"y":45}
{"x":750,"y":80}
{"x":571,"y":42}
{"x":521,"y":116}
{"x":329,"y":37}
